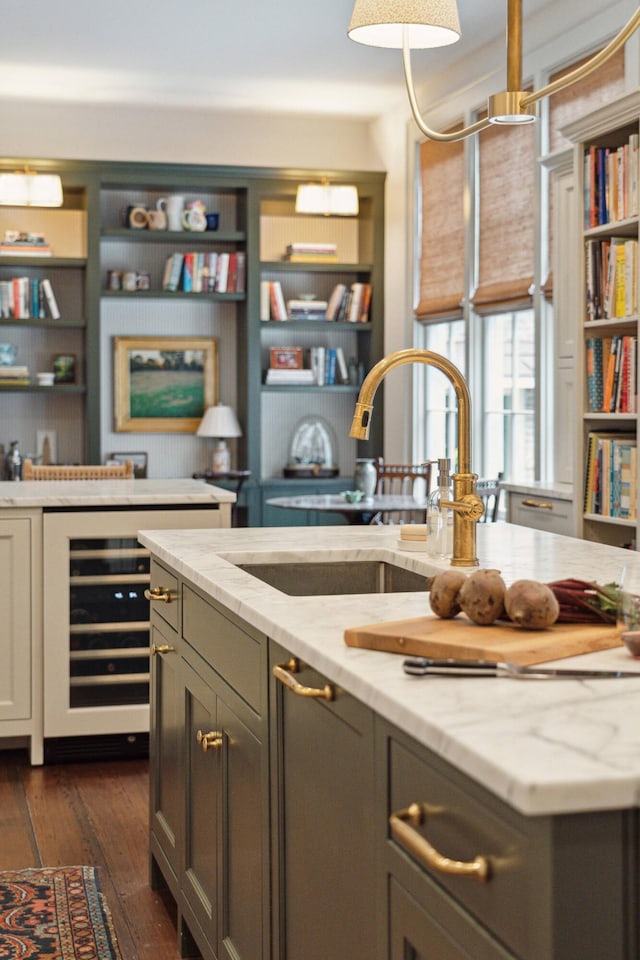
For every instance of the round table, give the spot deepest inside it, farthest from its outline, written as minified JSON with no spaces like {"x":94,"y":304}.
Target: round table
{"x":363,"y":512}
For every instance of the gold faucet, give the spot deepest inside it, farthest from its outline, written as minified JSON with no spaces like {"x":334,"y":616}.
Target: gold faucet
{"x":466,"y":505}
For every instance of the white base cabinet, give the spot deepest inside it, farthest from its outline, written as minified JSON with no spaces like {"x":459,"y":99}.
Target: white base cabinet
{"x":20,"y":637}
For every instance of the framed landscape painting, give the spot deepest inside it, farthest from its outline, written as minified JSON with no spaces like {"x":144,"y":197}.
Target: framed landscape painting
{"x":164,"y":384}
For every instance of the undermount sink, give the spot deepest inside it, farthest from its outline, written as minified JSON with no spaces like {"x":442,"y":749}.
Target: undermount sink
{"x":316,"y":579}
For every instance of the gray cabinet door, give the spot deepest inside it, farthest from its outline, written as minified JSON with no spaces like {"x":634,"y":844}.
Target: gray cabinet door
{"x":199,"y":878}
{"x":324,"y":840}
{"x":166,"y":771}
{"x":416,"y":933}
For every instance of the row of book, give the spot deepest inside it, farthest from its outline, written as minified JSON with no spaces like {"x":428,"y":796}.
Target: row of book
{"x":611,"y":183}
{"x":346,"y":304}
{"x":327,"y":367}
{"x":311,"y":253}
{"x":15,"y":375}
{"x":24,"y":298}
{"x":611,"y":275}
{"x":205,"y":272}
{"x":611,"y":476}
{"x":612,"y":374}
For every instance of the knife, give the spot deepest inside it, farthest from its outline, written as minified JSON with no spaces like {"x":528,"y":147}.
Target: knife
{"x":424,"y":666}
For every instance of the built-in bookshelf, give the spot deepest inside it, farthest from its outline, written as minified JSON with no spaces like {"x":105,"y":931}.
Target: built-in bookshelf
{"x":606,"y":162}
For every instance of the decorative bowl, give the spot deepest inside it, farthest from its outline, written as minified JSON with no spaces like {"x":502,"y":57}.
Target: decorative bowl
{"x":353,"y":496}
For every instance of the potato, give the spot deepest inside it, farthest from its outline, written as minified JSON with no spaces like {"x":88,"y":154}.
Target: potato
{"x":532,"y":605}
{"x":443,"y":593}
{"x":481,"y":596}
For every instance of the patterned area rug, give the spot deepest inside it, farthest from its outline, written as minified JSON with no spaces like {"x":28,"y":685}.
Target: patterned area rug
{"x":54,"y":912}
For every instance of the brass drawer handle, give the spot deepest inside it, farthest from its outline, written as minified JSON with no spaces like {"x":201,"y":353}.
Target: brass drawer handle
{"x":208,"y":741}
{"x":163,"y":594}
{"x":402,"y":825}
{"x":538,"y":504}
{"x":283,"y":672}
{"x":157,"y":648}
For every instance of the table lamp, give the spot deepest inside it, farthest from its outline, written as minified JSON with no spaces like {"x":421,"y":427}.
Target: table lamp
{"x":220,"y":422}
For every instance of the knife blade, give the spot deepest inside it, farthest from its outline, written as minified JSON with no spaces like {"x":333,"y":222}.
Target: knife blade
{"x":425,"y":666}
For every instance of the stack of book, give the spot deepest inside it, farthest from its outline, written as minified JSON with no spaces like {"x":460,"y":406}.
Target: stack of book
{"x":611,"y":475}
{"x":611,"y":268}
{"x":349,"y":304}
{"x":195,"y":272}
{"x":311,"y":253}
{"x":18,"y":244}
{"x":289,"y":377}
{"x":15,"y":375}
{"x":612,"y":374}
{"x":307,"y":309}
{"x":24,"y":298}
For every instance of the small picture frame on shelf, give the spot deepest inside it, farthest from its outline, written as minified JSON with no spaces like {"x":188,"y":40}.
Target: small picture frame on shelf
{"x":285,"y":358}
{"x":64,"y":367}
{"x":139,"y":461}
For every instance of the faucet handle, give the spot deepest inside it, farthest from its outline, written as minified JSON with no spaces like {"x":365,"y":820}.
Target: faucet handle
{"x":470,"y":506}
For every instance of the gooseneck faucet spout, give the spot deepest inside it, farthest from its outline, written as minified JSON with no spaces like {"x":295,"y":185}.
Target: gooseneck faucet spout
{"x":466,"y":504}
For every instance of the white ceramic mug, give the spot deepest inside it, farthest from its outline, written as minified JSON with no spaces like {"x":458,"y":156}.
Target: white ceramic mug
{"x":174,"y":208}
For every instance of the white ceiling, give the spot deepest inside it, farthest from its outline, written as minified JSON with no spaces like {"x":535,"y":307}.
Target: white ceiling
{"x":268,"y":55}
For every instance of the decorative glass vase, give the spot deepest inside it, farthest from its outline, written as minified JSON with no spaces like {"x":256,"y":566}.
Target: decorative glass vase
{"x":365,"y":476}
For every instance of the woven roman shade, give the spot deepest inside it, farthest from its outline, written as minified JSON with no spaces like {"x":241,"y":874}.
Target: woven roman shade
{"x":506,"y":225}
{"x":602,"y":86}
{"x":442,"y":242}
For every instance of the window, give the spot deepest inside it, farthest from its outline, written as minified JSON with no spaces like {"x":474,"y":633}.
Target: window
{"x":436,"y":403}
{"x":508,"y":440}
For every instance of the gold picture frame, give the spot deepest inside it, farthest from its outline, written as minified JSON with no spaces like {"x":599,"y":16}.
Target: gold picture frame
{"x":163,"y":384}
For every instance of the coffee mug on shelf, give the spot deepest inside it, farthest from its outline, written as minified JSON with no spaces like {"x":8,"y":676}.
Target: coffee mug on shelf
{"x":213,"y":220}
{"x":157,"y":219}
{"x":174,"y":208}
{"x":137,"y":218}
{"x":194,"y":219}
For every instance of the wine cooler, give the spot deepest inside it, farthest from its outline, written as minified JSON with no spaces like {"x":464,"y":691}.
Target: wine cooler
{"x":96,"y":622}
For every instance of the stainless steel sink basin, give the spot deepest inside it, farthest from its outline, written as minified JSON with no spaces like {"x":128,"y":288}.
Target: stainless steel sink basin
{"x":302,"y":579}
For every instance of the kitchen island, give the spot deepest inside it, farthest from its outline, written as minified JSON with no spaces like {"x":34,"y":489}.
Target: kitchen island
{"x":73,"y":666}
{"x":556,"y":765}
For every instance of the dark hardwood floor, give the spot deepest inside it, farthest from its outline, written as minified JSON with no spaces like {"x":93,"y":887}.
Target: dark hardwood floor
{"x":91,"y":814}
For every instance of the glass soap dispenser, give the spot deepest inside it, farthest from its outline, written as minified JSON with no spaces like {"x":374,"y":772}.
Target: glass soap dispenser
{"x":440,"y":519}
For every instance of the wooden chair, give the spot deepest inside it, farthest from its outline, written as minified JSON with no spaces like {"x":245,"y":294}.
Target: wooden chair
{"x":118,"y":471}
{"x":489,"y":492}
{"x":406,"y":480}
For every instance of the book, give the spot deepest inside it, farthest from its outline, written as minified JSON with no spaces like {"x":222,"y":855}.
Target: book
{"x":241,"y":274}
{"x":594,"y":374}
{"x":173,"y":272}
{"x":222,"y":272}
{"x":278,"y":306}
{"x":265,"y":300}
{"x":335,"y":299}
{"x":317,"y":358}
{"x":341,"y":364}
{"x":24,"y":250}
{"x":50,"y":298}
{"x":10,"y":371}
{"x":313,"y":247}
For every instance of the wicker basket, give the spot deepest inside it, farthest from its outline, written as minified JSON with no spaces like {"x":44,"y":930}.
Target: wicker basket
{"x":118,"y":471}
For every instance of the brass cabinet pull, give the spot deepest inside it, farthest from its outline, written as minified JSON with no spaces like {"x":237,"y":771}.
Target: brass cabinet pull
{"x":208,"y":741}
{"x":538,"y":504}
{"x":157,"y":648}
{"x":163,"y":594}
{"x":283,"y":672}
{"x":402,"y":825}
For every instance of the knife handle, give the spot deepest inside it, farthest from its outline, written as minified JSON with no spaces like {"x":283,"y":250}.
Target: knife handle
{"x":422,"y":666}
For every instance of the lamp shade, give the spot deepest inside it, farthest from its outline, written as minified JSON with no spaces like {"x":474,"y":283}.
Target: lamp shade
{"x":219,"y":421}
{"x":426,"y":23}
{"x":30,"y":189}
{"x":327,"y":199}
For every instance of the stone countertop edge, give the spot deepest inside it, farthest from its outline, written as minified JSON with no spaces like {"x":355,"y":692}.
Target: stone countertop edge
{"x":78,"y":493}
{"x":562,"y":746}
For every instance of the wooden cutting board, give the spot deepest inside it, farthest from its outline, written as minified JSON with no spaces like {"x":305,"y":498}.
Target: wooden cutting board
{"x":461,"y":639}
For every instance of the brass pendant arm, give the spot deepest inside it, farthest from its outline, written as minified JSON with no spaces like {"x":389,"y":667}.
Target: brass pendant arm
{"x":586,"y":68}
{"x":402,"y":825}
{"x":284,"y":673}
{"x":415,"y":110}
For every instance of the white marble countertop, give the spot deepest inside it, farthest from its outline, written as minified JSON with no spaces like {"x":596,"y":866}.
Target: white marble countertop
{"x":538,"y":489}
{"x":80,"y":493}
{"x":542,"y":746}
